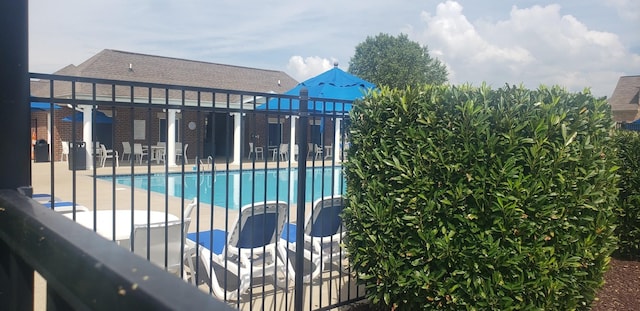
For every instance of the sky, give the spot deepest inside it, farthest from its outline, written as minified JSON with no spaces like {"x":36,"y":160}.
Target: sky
{"x":575,"y":44}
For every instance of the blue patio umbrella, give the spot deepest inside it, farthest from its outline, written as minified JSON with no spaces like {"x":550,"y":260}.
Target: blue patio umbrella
{"x":333,"y":84}
{"x":100,"y":117}
{"x":632,"y":126}
{"x":40,"y":106}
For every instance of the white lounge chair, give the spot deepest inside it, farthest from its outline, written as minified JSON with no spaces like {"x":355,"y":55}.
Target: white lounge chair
{"x":230,"y":259}
{"x":323,"y":233}
{"x":162,"y":244}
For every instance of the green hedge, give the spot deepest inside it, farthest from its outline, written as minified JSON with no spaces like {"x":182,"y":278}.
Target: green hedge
{"x":473,"y":198}
{"x":628,"y":212}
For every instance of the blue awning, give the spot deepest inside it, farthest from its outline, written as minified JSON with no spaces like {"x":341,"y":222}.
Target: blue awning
{"x":100,"y":117}
{"x":43,"y":106}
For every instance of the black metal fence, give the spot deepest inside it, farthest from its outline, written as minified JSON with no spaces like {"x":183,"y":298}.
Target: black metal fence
{"x":252,"y":181}
{"x":82,"y":270}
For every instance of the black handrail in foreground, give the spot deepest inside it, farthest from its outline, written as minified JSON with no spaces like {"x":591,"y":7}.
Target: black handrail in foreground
{"x":83,"y":270}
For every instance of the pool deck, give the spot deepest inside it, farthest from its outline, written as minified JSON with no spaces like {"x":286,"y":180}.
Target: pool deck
{"x":96,"y":194}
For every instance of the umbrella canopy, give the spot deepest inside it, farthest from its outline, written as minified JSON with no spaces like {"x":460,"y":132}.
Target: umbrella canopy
{"x":632,"y":126}
{"x":332,"y":84}
{"x":100,"y":117}
{"x":40,"y":106}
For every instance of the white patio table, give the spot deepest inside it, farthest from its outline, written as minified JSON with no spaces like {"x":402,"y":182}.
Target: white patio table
{"x":157,"y":152}
{"x":123,"y":221}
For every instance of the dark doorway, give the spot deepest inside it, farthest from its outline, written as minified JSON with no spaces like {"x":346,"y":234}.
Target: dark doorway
{"x":103,"y":134}
{"x":316,"y":135}
{"x":275,"y":134}
{"x":218,"y":140}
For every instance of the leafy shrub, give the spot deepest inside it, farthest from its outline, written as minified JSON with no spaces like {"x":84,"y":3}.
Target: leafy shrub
{"x":472,"y":198}
{"x":628,"y":212}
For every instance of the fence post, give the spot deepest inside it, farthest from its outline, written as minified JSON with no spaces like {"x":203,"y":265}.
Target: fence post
{"x":302,"y":178}
{"x":16,"y":277}
{"x":15,"y":159}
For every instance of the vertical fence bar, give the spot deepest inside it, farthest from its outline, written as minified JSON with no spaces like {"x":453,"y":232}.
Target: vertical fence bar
{"x":15,"y":164}
{"x":302,"y":172}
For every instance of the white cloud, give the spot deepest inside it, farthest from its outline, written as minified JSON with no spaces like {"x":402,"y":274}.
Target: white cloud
{"x":627,"y":9}
{"x":303,"y":68}
{"x":533,"y":46}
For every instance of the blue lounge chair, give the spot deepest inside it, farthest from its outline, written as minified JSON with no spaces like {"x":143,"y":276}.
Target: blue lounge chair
{"x":43,"y":197}
{"x":250,"y":249}
{"x":64,"y":207}
{"x":323,"y":233}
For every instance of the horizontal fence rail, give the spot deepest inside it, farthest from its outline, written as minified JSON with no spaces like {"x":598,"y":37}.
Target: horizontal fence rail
{"x":83,"y":271}
{"x":239,"y":193}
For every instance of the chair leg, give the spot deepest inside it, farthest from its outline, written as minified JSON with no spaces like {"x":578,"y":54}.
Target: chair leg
{"x":190,"y":256}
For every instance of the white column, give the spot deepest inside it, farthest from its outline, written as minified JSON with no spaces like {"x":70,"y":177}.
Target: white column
{"x":237,"y":138}
{"x":236,"y":200}
{"x":87,"y":126}
{"x":170,"y":151}
{"x":49,"y":141}
{"x":292,"y":140}
{"x":337,"y":148}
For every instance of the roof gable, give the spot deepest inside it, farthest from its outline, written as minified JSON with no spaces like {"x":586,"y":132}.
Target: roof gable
{"x":625,"y":93}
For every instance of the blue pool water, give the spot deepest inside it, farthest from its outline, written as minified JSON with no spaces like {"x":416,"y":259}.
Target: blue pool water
{"x":234,"y":189}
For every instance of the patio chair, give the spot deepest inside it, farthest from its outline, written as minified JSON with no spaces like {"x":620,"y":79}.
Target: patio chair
{"x":296,"y":150}
{"x":65,"y":151}
{"x":64,"y":207}
{"x":318,"y":151}
{"x":162,"y":244}
{"x":108,"y":154}
{"x":329,"y":151}
{"x":283,"y":152}
{"x":323,"y":233}
{"x":231,"y":259}
{"x":310,"y":149}
{"x":126,"y":150}
{"x":182,"y":153}
{"x":138,"y":152}
{"x":258,"y":152}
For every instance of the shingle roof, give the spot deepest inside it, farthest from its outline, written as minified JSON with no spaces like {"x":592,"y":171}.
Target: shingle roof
{"x":127,"y":66}
{"x":626,"y":93}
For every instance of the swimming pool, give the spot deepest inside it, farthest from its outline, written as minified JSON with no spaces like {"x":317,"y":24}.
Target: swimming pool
{"x":234,"y":189}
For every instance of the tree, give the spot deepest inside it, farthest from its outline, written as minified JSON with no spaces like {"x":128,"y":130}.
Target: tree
{"x":396,"y":62}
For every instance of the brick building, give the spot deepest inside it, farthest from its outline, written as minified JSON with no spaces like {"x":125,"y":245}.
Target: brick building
{"x":625,"y":100}
{"x":149,"y":124}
